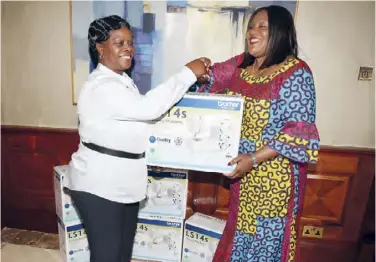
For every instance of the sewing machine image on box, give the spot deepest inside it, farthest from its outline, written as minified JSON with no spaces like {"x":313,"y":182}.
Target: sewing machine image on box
{"x":166,"y":194}
{"x":158,"y":238}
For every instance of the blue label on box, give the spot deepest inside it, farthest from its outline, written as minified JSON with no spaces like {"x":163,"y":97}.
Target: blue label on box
{"x":202,"y":231}
{"x":210,"y":104}
{"x":175,"y":175}
{"x":159,"y":223}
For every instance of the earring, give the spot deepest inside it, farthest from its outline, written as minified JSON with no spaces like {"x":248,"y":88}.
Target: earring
{"x":101,"y":56}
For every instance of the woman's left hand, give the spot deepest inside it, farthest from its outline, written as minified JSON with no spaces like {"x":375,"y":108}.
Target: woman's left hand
{"x":244,"y":164}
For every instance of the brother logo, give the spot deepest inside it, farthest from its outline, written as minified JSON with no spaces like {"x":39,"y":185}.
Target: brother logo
{"x":172,"y":224}
{"x":228,"y":104}
{"x":177,"y":175}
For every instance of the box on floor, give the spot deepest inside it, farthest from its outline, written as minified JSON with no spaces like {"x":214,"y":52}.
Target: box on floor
{"x":158,"y":238}
{"x":201,"y":236}
{"x":74,"y":246}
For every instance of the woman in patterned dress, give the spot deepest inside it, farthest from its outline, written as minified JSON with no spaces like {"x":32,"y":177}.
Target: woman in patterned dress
{"x":278,"y":139}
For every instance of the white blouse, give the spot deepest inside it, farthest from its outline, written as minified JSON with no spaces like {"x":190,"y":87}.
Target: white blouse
{"x":113,"y":114}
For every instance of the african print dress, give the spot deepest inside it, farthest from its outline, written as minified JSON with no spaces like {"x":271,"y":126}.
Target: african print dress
{"x":279,"y":112}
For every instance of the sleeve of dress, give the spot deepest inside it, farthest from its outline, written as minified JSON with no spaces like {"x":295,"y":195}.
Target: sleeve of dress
{"x":298,"y":139}
{"x":221,"y":76}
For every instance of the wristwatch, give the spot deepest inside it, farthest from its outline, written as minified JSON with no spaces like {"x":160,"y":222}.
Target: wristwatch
{"x":254,"y":160}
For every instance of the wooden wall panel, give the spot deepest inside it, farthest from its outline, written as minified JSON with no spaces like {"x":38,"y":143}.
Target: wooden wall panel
{"x":336,"y":192}
{"x":27,"y":160}
{"x":325,"y":196}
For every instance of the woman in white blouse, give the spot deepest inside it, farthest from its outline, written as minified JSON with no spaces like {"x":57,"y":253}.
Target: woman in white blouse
{"x":108,"y":173}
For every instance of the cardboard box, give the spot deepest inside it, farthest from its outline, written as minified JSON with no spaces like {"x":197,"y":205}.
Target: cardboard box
{"x":166,"y":194}
{"x":201,"y":236}
{"x":158,"y":238}
{"x":74,"y":246}
{"x":201,"y":132}
{"x":65,"y":210}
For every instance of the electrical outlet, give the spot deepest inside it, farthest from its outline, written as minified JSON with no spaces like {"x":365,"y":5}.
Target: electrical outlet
{"x":365,"y":73}
{"x":312,"y":231}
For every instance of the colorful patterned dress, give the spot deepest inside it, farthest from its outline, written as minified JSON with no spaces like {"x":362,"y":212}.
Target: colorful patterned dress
{"x":265,"y":204}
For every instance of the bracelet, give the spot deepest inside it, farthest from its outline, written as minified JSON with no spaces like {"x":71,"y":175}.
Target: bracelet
{"x":254,"y":160}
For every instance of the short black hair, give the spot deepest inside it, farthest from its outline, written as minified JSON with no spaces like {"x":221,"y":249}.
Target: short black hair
{"x":99,"y":31}
{"x":282,"y":37}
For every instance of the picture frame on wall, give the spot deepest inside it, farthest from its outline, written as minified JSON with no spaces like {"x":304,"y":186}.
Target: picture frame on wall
{"x":161,"y":31}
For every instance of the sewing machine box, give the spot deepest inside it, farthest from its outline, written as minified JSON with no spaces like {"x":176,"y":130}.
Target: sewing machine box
{"x":65,"y":210}
{"x":201,"y":132}
{"x":158,"y":238}
{"x":74,"y":246}
{"x":166,"y":194}
{"x":201,"y":236}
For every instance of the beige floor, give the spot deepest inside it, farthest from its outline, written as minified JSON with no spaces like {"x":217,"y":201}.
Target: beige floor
{"x":20,"y":253}
{"x":31,"y":246}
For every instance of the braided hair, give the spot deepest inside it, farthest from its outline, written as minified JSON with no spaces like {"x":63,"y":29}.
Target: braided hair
{"x":99,"y":31}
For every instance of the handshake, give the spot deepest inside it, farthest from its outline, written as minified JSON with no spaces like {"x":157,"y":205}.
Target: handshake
{"x":201,"y":68}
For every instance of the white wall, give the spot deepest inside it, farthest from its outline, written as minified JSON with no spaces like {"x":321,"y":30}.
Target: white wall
{"x":36,"y":65}
{"x":335,"y":39}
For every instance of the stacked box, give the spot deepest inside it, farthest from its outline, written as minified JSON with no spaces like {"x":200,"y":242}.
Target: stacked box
{"x":159,"y":234}
{"x":65,"y":210}
{"x":161,"y":218}
{"x":73,"y":242}
{"x":201,"y":236}
{"x":158,"y":238}
{"x":74,"y":246}
{"x":166,"y":194}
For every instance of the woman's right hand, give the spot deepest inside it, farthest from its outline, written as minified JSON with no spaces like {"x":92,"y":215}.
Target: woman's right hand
{"x":200,"y":67}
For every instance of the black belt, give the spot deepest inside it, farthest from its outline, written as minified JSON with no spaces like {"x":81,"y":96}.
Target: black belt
{"x":113,"y":152}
